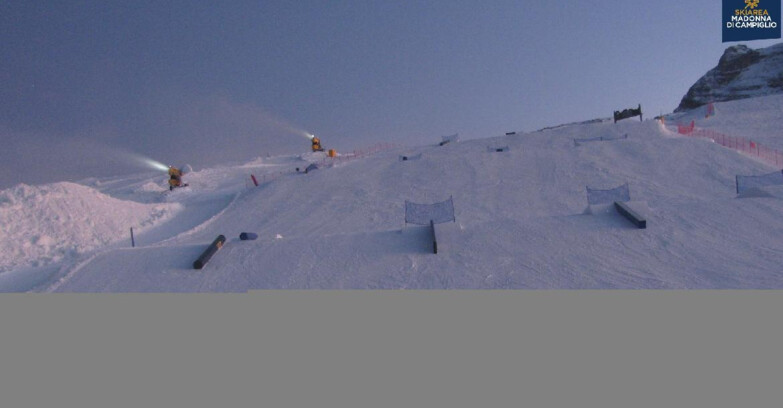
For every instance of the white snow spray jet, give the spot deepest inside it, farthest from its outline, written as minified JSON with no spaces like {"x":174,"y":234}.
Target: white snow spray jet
{"x":295,"y":130}
{"x":128,"y":157}
{"x":155,"y":164}
{"x":269,"y":119}
{"x":144,"y":161}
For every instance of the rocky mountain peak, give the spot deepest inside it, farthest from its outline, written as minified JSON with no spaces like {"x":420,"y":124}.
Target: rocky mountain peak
{"x":741,"y":73}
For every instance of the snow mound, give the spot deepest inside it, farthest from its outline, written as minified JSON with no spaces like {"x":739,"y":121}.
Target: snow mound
{"x":44,"y":224}
{"x":151,"y":187}
{"x":312,"y":156}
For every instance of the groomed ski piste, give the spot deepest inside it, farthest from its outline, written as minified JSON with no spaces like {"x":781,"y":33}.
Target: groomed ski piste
{"x":522,"y":217}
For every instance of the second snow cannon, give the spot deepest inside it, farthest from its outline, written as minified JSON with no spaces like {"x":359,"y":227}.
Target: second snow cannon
{"x":316,"y":144}
{"x":175,"y":178}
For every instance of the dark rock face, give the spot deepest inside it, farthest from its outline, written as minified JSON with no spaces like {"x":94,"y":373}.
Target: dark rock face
{"x":741,"y":73}
{"x":734,"y":61}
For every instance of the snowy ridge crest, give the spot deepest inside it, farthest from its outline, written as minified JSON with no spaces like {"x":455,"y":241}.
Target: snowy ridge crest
{"x":741,"y":73}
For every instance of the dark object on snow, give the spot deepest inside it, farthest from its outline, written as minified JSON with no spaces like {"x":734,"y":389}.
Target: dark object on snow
{"x":311,"y":167}
{"x":209,"y":252}
{"x":171,"y":188}
{"x":510,"y":133}
{"x":409,"y":157}
{"x":248,"y":236}
{"x":628,"y":113}
{"x":629,"y":213}
{"x":434,"y":238}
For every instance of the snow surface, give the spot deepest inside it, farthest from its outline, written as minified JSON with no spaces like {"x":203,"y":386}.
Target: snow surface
{"x":45,"y":224}
{"x":522,"y":219}
{"x":757,"y":119}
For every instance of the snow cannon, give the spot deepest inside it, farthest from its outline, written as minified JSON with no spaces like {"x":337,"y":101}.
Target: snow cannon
{"x":209,"y":252}
{"x":175,"y":177}
{"x":316,"y":144}
{"x":332,"y":153}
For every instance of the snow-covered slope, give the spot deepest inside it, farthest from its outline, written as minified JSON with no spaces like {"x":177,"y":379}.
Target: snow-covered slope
{"x":522,"y":219}
{"x":741,"y":73}
{"x":757,"y":119}
{"x":45,"y":224}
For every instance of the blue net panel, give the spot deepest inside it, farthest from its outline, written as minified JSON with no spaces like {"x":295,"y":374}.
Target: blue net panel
{"x":422,"y":214}
{"x":621,"y":193}
{"x":745,"y":183}
{"x":578,"y":142}
{"x":451,"y":139}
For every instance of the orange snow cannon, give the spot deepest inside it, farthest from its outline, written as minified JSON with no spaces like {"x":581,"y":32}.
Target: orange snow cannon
{"x":317,"y":144}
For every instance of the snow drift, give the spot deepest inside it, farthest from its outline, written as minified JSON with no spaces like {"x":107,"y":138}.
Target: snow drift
{"x":44,"y":224}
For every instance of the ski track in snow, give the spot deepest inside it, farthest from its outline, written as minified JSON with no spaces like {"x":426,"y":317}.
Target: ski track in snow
{"x":521,"y":218}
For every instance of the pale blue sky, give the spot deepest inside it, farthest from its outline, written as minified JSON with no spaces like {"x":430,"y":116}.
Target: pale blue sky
{"x":209,"y":82}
